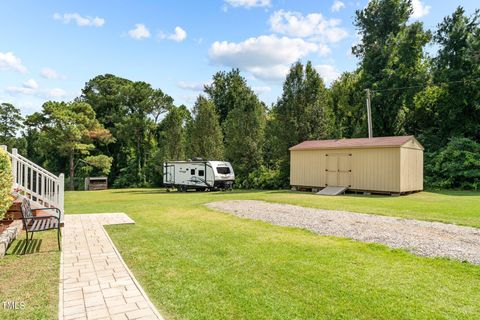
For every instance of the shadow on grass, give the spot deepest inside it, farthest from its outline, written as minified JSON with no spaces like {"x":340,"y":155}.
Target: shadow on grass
{"x":34,"y":246}
{"x":456,"y":193}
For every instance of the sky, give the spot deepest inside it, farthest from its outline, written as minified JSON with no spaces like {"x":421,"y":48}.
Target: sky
{"x":49,"y":49}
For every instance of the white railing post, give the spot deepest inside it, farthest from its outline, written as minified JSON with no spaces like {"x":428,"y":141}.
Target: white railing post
{"x":61,"y":194}
{"x":15,"y":167}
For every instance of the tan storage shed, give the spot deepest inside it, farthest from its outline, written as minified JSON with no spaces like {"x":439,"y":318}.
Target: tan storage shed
{"x":381,"y":164}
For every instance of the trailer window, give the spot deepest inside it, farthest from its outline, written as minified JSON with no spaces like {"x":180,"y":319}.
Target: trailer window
{"x":223,"y":170}
{"x":192,"y":172}
{"x":200,"y":173}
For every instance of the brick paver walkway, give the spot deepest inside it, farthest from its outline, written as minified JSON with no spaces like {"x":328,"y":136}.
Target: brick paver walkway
{"x":95,"y":283}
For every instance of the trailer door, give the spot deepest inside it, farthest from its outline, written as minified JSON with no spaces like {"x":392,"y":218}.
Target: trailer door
{"x":169,"y":174}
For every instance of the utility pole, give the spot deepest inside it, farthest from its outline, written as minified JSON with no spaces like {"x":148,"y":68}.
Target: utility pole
{"x":369,"y":113}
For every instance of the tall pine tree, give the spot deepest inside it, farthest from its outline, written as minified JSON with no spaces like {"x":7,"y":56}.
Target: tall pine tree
{"x":205,"y":138}
{"x":302,"y":113}
{"x":392,"y":61}
{"x":173,"y":134}
{"x":242,"y":118}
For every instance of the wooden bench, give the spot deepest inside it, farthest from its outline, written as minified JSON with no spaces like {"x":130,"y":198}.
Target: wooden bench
{"x":33,"y":224}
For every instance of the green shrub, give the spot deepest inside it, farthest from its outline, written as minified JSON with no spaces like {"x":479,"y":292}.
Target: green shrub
{"x":456,"y":166}
{"x":262,"y":178}
{"x":6,"y":183}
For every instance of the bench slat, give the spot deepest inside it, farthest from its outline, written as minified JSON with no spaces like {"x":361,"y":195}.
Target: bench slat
{"x":44,"y":224}
{"x":47,"y":223}
{"x":34,"y":225}
{"x":39,"y":224}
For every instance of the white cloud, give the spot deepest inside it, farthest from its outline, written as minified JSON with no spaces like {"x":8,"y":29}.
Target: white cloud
{"x":262,"y":89}
{"x":31,"y":88}
{"x":187,"y":98}
{"x":81,"y":21}
{"x":313,"y":25}
{"x":20,"y":90}
{"x":139,"y":32}
{"x":179,"y":35}
{"x":55,"y":93}
{"x":265,"y":57}
{"x":30,"y":84}
{"x":337,"y":5}
{"x":328,"y":72}
{"x":419,"y":9}
{"x":193,"y":86}
{"x":249,"y":3}
{"x":8,"y":61}
{"x":49,"y":73}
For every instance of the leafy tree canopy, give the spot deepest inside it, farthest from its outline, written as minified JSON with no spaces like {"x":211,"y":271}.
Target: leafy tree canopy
{"x":11,"y":121}
{"x":69,"y":129}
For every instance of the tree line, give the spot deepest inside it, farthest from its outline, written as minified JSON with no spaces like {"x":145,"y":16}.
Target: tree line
{"x":127,"y":129}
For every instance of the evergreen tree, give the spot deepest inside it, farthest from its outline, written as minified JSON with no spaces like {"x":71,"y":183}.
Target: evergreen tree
{"x":10,"y":124}
{"x":302,"y":113}
{"x":349,"y":109}
{"x":69,"y":129}
{"x":392,"y":61}
{"x":173,"y":134}
{"x":205,"y":138}
{"x":225,"y":90}
{"x":457,"y":66}
{"x":131,"y":111}
{"x":242,"y":118}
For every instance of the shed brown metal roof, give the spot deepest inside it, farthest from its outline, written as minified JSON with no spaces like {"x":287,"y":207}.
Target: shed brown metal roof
{"x":377,"y":142}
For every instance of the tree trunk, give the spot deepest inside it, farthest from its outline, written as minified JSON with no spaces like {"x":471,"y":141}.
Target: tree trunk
{"x":72,"y":171}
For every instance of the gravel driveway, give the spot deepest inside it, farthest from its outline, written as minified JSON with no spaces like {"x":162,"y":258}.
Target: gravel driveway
{"x":433,"y":239}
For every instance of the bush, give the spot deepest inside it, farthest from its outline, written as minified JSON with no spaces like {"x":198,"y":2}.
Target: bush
{"x":262,"y":178}
{"x":456,"y":166}
{"x":6,"y":183}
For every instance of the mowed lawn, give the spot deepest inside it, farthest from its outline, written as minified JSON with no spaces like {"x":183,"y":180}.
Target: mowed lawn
{"x":196,"y":263}
{"x":31,"y":280}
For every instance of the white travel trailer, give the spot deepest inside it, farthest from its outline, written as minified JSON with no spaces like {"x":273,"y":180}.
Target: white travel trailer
{"x":198,"y":174}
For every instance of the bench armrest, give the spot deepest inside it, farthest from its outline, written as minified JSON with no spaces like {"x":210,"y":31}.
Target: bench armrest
{"x":51,"y":208}
{"x":44,"y":217}
{"x":43,"y":209}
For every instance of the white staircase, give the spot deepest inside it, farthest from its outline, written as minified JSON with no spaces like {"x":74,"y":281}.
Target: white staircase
{"x":30,"y":180}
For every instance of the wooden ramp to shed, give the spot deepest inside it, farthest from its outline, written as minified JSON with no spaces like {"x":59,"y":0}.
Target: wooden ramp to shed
{"x":332,"y":191}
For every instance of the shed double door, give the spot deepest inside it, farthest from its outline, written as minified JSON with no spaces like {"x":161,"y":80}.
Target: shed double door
{"x":338,"y":169}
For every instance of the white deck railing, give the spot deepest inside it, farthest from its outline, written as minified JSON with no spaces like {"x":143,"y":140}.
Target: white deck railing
{"x":36,"y":183}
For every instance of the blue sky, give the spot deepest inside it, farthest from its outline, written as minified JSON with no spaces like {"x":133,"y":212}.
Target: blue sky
{"x":50,"y":48}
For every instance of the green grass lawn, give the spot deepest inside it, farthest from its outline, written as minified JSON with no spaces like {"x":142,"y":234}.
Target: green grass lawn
{"x":31,"y":279}
{"x":196,"y":263}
